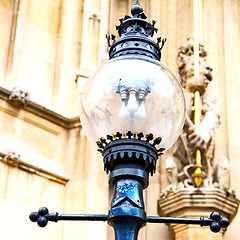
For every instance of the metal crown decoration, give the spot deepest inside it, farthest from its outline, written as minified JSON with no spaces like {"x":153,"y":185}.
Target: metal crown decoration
{"x":136,"y":36}
{"x":121,"y":147}
{"x":130,"y":159}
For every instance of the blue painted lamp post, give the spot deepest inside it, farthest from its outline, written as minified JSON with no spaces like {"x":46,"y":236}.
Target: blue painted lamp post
{"x":132,"y":109}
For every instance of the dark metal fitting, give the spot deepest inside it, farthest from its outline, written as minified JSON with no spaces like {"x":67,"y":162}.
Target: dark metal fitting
{"x":126,"y":211}
{"x":126,"y":220}
{"x":126,"y":228}
{"x":216,"y":222}
{"x":129,"y":171}
{"x":128,"y":193}
{"x":129,"y":216}
{"x":42,"y":217}
{"x":140,"y":46}
{"x":135,"y":37}
{"x":130,"y":150}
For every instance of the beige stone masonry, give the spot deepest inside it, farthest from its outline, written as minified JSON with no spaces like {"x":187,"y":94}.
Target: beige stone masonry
{"x":194,"y":203}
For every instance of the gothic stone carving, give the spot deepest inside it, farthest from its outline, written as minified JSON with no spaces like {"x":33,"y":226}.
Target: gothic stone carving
{"x":195,"y":137}
{"x":31,"y":165}
{"x":18,"y":96}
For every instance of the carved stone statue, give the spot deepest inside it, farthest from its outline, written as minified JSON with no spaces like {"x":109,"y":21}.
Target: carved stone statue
{"x":171,"y":170}
{"x":222,"y":172}
{"x":200,"y":136}
{"x":18,"y":95}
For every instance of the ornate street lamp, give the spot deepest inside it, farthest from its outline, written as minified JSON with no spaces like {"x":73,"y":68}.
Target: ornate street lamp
{"x":133,"y":109}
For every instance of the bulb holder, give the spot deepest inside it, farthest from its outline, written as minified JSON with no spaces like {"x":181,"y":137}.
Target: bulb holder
{"x":132,"y":151}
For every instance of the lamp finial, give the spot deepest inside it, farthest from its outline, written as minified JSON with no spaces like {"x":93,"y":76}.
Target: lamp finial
{"x":136,"y":9}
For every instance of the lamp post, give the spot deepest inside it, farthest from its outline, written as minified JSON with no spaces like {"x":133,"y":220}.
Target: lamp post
{"x":132,"y":109}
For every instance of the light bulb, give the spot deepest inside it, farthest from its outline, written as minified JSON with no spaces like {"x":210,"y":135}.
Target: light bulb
{"x":132,"y":105}
{"x":141,"y":112}
{"x":123,"y":113}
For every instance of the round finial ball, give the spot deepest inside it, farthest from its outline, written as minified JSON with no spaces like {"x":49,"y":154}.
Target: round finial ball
{"x":215,"y":216}
{"x":215,"y":227}
{"x":224,"y":222}
{"x":42,"y":221}
{"x":136,"y":9}
{"x":33,"y":216}
{"x":42,"y":211}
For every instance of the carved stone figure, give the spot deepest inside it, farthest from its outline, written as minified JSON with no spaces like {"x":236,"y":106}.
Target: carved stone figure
{"x":222,"y":172}
{"x":10,"y":157}
{"x":171,"y":170}
{"x":200,"y":136}
{"x":19,"y":96}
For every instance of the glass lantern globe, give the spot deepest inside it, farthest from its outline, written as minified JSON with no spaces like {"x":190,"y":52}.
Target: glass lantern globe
{"x":134,"y":94}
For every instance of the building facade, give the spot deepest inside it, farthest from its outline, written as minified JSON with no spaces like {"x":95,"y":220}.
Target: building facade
{"x":49,"y":48}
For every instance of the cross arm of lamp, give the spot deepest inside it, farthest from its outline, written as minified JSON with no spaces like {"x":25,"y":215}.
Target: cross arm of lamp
{"x":215,"y":221}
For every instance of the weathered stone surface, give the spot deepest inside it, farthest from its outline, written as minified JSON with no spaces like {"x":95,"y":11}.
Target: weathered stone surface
{"x":194,"y":203}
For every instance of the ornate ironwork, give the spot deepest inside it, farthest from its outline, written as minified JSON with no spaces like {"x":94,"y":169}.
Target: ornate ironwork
{"x":130,"y":148}
{"x":216,"y":222}
{"x":130,"y":161}
{"x":135,"y":36}
{"x":130,"y":158}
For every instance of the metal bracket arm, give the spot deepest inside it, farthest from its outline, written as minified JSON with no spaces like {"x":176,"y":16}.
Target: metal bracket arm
{"x":216,"y":222}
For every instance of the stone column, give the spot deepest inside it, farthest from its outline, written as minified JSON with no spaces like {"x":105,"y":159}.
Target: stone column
{"x":16,"y":37}
{"x":194,"y":203}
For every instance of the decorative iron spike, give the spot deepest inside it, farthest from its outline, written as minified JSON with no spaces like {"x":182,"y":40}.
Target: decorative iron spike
{"x":129,"y":134}
{"x":109,"y":137}
{"x":163,"y":42}
{"x":157,"y":141}
{"x":143,"y":15}
{"x":149,"y":137}
{"x":108,"y":40}
{"x":160,"y":149}
{"x":140,"y":135}
{"x":99,"y":144}
{"x":118,"y":135}
{"x":153,"y":23}
{"x":113,"y":37}
{"x":104,"y":141}
{"x":159,"y":40}
{"x":126,"y":17}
